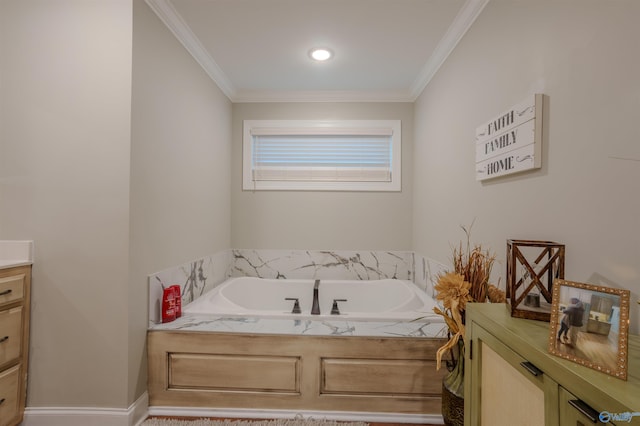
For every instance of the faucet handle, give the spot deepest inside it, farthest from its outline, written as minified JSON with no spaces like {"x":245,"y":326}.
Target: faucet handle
{"x":296,"y":305}
{"x":334,"y":308}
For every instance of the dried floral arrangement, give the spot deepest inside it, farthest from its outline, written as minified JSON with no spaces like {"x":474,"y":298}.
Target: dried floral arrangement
{"x":468,"y":282}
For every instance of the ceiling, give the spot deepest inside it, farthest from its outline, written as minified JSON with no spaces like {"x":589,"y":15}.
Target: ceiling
{"x":258,"y":50}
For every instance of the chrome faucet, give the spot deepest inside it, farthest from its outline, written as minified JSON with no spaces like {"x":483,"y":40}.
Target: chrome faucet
{"x":315,"y":308}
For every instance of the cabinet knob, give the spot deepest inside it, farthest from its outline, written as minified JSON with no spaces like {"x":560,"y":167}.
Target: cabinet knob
{"x":585,"y":409}
{"x":4,"y":293}
{"x":4,"y":339}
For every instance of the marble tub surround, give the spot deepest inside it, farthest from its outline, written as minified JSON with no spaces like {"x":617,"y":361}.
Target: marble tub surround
{"x":194,"y":278}
{"x":427,"y":272}
{"x":15,"y":253}
{"x":323,"y":264}
{"x":199,"y":276}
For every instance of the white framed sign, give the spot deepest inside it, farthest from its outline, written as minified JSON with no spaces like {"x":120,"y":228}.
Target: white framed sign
{"x":510,"y":142}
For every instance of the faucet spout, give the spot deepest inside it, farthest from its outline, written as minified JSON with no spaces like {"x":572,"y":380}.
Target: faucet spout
{"x":315,"y":308}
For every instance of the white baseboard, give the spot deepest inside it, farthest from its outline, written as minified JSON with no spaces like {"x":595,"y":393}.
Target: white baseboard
{"x":138,"y":411}
{"x":85,"y":416}
{"x":231,"y":413}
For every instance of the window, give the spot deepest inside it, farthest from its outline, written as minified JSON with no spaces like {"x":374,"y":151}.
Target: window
{"x":351,"y":155}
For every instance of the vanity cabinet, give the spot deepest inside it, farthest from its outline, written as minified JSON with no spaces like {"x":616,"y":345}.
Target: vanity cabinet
{"x":15,"y":290}
{"x":511,"y":379}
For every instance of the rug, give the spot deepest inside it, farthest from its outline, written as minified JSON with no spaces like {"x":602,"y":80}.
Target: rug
{"x":297,"y":421}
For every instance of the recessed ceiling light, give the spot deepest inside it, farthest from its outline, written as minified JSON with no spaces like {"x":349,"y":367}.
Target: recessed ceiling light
{"x":320,"y":54}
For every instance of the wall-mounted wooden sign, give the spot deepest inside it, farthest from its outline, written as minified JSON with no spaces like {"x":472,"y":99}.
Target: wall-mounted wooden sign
{"x":510,"y":142}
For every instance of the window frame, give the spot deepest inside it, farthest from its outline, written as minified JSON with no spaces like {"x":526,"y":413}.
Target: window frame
{"x":316,"y":127}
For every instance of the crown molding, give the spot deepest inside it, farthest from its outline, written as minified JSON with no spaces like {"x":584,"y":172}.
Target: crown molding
{"x":462,"y":22}
{"x":172,"y":19}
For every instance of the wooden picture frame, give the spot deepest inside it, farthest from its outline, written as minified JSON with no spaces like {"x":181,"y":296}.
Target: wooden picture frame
{"x":597,"y":319}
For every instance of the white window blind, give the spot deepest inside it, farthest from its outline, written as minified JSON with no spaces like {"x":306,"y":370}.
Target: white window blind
{"x":311,"y":155}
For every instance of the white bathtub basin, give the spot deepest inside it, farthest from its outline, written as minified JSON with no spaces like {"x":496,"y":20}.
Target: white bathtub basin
{"x":365,"y":300}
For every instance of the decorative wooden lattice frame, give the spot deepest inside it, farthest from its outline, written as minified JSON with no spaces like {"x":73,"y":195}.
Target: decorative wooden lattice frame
{"x":540,"y":268}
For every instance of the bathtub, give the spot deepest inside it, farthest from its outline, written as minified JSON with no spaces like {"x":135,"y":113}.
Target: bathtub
{"x":387,"y":299}
{"x":382,"y":376}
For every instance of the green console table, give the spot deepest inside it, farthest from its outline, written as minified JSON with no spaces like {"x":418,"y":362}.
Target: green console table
{"x":511,"y":378}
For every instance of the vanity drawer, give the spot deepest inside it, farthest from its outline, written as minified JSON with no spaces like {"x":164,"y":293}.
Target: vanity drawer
{"x":9,"y":388}
{"x":12,"y":288}
{"x":10,"y":334}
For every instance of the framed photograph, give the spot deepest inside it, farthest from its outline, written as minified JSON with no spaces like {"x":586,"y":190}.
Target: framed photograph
{"x":590,"y":326}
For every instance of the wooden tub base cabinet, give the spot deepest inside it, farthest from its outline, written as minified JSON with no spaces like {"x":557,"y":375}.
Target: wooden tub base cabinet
{"x":341,"y":373}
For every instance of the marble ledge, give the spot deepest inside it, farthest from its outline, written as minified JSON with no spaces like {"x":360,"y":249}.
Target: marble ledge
{"x":425,"y":328}
{"x":15,"y":253}
{"x":6,"y":264}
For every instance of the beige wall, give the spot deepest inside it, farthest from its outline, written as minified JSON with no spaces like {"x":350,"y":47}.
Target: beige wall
{"x":322,"y":220}
{"x":64,"y":182}
{"x":180,"y":169}
{"x":584,"y":56}
{"x":106,"y":201}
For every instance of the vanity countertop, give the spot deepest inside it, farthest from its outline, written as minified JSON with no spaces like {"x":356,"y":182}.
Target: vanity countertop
{"x":15,"y":253}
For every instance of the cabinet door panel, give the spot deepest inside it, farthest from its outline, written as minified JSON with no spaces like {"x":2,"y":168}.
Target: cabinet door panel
{"x":9,"y":387}
{"x":10,"y":334}
{"x":508,"y":397}
{"x":12,"y":288}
